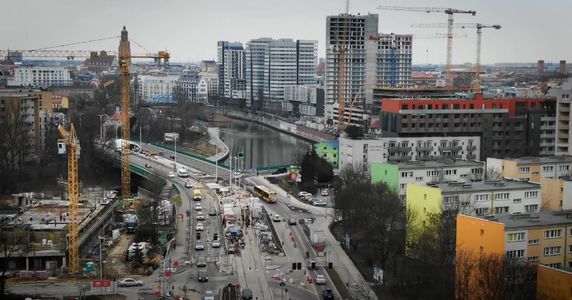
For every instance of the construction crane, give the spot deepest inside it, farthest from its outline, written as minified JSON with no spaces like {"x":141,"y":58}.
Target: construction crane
{"x":450,"y":12}
{"x":124,"y":58}
{"x":479,"y":27}
{"x":70,"y":143}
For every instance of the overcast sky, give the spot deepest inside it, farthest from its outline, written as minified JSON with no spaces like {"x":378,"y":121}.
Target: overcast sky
{"x":189,"y":29}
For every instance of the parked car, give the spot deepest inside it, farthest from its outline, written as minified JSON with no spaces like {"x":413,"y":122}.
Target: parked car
{"x":325,"y":192}
{"x":246,"y":294}
{"x":199,"y":227}
{"x":199,"y":245}
{"x":216,"y":244}
{"x":171,"y":175}
{"x":304,"y":194}
{"x":203,"y":276}
{"x":291,"y":221}
{"x":129,"y":282}
{"x":276,"y":218}
{"x":201,"y":262}
{"x":328,"y":294}
{"x":320,"y":203}
{"x":320,"y":279}
{"x":200,"y":216}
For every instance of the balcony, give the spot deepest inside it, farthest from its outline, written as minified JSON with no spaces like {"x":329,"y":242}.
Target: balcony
{"x":400,"y":149}
{"x":471,"y":148}
{"x":563,"y":126}
{"x":471,"y":156}
{"x":450,"y":148}
{"x":424,"y":148}
{"x":564,"y":109}
{"x":563,"y":136}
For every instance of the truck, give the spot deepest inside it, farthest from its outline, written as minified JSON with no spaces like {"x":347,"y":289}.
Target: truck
{"x":181,"y":172}
{"x":197,"y":195}
{"x":131,"y":221}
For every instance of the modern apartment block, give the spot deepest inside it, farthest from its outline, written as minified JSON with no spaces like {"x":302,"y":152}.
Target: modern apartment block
{"x":350,"y":32}
{"x":554,"y":173}
{"x":483,"y":198}
{"x":304,"y":100}
{"x":544,"y":238}
{"x":273,"y":64}
{"x":23,"y":119}
{"x":508,"y":127}
{"x":152,"y":87}
{"x":398,"y":175}
{"x":231,"y":60}
{"x":393,"y":59}
{"x":41,"y":77}
{"x":563,"y":95}
{"x":361,"y":153}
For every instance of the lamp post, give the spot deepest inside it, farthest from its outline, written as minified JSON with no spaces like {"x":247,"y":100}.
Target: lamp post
{"x":100,"y":258}
{"x":101,"y":127}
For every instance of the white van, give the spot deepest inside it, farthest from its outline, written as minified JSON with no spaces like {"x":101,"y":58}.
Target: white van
{"x":182,"y":173}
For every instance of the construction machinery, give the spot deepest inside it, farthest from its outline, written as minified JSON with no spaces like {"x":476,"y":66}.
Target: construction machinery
{"x":70,"y":143}
{"x":479,"y":27}
{"x":450,"y":13}
{"x":124,"y":58}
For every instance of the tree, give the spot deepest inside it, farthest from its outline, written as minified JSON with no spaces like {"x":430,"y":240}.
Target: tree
{"x":315,"y":169}
{"x":13,"y":239}
{"x":354,"y":132}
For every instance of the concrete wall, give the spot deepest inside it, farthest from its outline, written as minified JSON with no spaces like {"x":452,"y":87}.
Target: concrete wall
{"x":479,"y":235}
{"x":553,"y":284}
{"x":552,"y":194}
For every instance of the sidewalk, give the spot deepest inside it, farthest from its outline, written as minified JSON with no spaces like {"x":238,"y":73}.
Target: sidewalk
{"x":217,"y":142}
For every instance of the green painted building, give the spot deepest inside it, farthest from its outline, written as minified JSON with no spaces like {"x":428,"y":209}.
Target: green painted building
{"x":329,"y":151}
{"x":385,"y":172}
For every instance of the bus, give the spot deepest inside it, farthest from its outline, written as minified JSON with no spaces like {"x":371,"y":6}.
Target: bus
{"x":264,"y":193}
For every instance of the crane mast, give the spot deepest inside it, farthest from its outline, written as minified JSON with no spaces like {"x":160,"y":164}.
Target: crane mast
{"x":71,"y":142}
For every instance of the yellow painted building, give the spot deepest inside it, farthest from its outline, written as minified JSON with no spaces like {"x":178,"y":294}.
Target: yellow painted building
{"x":476,"y":238}
{"x":421,"y":201}
{"x":553,"y":284}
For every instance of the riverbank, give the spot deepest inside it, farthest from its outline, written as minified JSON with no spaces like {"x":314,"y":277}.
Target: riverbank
{"x":307,"y":134}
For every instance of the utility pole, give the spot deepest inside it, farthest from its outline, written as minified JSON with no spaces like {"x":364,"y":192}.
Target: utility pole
{"x":101,"y":127}
{"x":216,"y":164}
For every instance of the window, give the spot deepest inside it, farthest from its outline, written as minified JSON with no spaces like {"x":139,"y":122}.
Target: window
{"x":531,"y":208}
{"x":484,"y":197}
{"x":524,"y":170}
{"x":552,"y":234}
{"x":518,"y":236}
{"x":419,"y":178}
{"x":555,"y":266}
{"x":533,"y":194}
{"x":481,"y":211}
{"x":501,"y":196}
{"x":515,"y":253}
{"x":533,"y":258}
{"x":548,"y":168}
{"x":548,"y":251}
{"x":516,"y":200}
{"x":501,"y":210}
{"x":569,"y":248}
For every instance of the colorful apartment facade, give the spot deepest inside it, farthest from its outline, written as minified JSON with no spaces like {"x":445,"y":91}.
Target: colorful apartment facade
{"x":422,"y":201}
{"x":328,"y":151}
{"x":553,"y":284}
{"x":553,"y":173}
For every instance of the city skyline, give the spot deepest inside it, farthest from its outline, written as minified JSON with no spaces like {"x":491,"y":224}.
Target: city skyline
{"x":181,"y":26}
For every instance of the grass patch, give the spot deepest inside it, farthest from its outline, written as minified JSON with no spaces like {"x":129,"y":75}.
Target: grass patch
{"x":338,"y":283}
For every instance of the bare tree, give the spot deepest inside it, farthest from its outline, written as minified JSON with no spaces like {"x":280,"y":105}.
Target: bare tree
{"x":12,"y":241}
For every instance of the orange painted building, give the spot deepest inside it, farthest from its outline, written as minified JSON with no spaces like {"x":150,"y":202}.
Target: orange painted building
{"x":476,"y":238}
{"x":553,"y":284}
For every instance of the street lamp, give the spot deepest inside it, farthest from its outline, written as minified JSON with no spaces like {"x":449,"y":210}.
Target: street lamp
{"x":101,"y":238}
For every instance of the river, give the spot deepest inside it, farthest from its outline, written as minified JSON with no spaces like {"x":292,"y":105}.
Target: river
{"x":262,"y":146}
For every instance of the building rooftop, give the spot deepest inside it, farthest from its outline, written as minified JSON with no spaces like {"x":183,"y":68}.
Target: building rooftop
{"x":52,"y":215}
{"x":485,"y":186}
{"x":542,"y":159}
{"x":541,"y":219}
{"x":414,"y":165}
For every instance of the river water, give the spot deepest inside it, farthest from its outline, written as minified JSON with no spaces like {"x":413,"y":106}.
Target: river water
{"x":262,"y":146}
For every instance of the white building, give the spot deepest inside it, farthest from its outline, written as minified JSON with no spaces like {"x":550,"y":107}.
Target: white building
{"x":41,"y":77}
{"x":563,"y":96}
{"x":191,"y":88}
{"x":305,"y":100}
{"x":232,"y":70}
{"x":360,"y":153}
{"x":150,"y":86}
{"x":350,"y":32}
{"x":273,"y":64}
{"x":503,"y":197}
{"x":392,"y":67}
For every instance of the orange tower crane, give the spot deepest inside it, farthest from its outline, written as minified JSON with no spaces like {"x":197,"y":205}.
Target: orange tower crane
{"x":70,"y":143}
{"x":124,"y":58}
{"x":450,"y":12}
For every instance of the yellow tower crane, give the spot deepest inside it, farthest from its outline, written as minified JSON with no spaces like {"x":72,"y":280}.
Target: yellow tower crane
{"x":70,"y":143}
{"x":124,"y":58}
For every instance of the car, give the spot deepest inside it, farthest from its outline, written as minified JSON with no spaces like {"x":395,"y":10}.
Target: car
{"x":203,"y":276}
{"x":201,"y":262}
{"x":199,"y":245}
{"x":209,"y":295}
{"x":324,"y":192}
{"x":276,"y":218}
{"x":312,"y":264}
{"x":216,"y":244}
{"x":327,"y":294}
{"x":320,"y":203}
{"x":199,"y":227}
{"x":303,"y":194}
{"x":188,"y":184}
{"x":129,"y":282}
{"x":291,"y":221}
{"x":147,"y":166}
{"x":320,"y":279}
{"x":212,"y":211}
{"x":236,"y":174}
{"x":200,"y":216}
{"x":246,"y":294}
{"x":198,"y":207}
{"x":171,"y":175}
